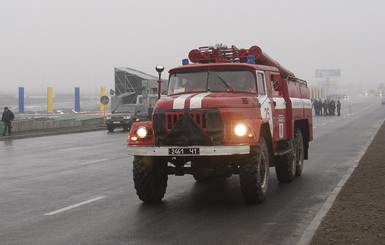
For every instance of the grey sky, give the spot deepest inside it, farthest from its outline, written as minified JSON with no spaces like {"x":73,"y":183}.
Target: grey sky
{"x":68,"y":43}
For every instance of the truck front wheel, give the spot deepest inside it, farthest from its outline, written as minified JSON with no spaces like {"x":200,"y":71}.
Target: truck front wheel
{"x":110,"y":128}
{"x":254,"y":175}
{"x":150,"y":178}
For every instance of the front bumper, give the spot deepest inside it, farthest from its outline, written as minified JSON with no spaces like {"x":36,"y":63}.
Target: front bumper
{"x":203,"y":150}
{"x":118,"y":122}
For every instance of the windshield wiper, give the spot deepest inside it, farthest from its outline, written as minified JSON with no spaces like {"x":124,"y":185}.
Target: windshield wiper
{"x":228,"y":86}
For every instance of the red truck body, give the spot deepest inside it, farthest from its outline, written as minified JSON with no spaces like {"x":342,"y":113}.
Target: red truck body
{"x":235,"y":111}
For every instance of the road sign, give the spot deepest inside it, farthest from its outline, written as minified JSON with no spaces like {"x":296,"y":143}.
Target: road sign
{"x":328,"y":73}
{"x":104,"y":100}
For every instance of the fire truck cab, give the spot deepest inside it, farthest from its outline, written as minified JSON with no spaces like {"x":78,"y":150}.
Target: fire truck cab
{"x":232,"y":111}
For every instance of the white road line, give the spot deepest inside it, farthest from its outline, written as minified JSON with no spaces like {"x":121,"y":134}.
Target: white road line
{"x":70,"y":149}
{"x":7,"y":147}
{"x":94,"y":161}
{"x":75,"y":205}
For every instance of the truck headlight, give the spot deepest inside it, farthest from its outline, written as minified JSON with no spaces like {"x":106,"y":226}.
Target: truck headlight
{"x":108,"y":117}
{"x":240,"y":129}
{"x":142,"y":132}
{"x":127,"y":117}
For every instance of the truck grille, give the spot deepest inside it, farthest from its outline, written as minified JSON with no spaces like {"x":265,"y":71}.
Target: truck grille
{"x":173,"y":117}
{"x":184,"y":128}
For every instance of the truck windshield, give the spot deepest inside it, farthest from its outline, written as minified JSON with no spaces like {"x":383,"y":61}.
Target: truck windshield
{"x":213,"y":81}
{"x":126,"y":109}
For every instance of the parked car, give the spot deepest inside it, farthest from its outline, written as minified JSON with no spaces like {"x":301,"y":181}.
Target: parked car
{"x":125,"y":115}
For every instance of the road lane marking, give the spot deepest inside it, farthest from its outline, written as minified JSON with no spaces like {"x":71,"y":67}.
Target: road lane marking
{"x":94,"y":161}
{"x":271,"y":223}
{"x":7,"y":147}
{"x":70,"y":149}
{"x":75,"y":205}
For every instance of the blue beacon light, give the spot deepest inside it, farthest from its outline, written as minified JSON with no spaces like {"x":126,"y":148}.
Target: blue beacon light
{"x":185,"y":62}
{"x":250,"y":59}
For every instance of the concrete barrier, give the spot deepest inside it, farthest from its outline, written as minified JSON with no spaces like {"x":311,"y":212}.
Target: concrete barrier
{"x":49,"y":123}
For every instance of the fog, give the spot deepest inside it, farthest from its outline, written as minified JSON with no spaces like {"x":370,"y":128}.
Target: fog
{"x":66,"y":43}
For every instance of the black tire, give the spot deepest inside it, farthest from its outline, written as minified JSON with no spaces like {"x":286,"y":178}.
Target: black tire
{"x":285,"y":166}
{"x":150,"y":178}
{"x":254,"y":175}
{"x":110,"y":128}
{"x":299,"y":152}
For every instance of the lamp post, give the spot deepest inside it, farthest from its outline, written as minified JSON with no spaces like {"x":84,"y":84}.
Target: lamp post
{"x":159,"y":69}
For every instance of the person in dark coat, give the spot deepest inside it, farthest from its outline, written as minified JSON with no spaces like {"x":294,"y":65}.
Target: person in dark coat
{"x":332,"y":108}
{"x":149,"y":112}
{"x":326,"y":107}
{"x":320,"y":105}
{"x":7,"y":119}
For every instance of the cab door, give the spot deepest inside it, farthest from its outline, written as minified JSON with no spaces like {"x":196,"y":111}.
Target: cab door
{"x":279,"y":109}
{"x":265,"y":101}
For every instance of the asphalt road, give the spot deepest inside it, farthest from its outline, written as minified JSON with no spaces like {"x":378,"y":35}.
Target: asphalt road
{"x":78,"y":189}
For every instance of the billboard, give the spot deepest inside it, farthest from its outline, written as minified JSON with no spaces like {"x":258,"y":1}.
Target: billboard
{"x":328,"y":73}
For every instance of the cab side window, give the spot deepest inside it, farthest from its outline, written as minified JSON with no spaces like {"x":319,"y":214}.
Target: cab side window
{"x":276,"y":85}
{"x":261,"y":83}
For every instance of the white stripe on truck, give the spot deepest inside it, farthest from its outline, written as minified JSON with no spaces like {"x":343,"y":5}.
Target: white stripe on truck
{"x":179,"y":101}
{"x":196,"y":101}
{"x":298,"y":103}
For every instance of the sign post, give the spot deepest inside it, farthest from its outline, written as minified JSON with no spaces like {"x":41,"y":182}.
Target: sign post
{"x":104,"y":101}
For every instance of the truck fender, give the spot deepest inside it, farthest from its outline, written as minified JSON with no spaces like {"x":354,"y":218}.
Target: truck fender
{"x":133,"y":138}
{"x":260,"y":128}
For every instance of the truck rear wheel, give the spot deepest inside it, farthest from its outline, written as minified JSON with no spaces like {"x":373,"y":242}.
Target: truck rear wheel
{"x":299,"y":152}
{"x":254,"y":175}
{"x":285,"y":166}
{"x":150,"y":178}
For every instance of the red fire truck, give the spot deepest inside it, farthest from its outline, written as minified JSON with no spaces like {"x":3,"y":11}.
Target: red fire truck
{"x":231,"y":111}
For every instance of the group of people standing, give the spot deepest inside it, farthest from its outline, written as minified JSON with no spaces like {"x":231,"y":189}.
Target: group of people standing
{"x":327,"y":108}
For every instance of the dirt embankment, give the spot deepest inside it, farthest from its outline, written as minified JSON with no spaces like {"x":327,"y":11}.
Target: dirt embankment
{"x":358,"y":213}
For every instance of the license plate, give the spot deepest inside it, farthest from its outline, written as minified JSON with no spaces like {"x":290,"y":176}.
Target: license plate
{"x":183,"y":151}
